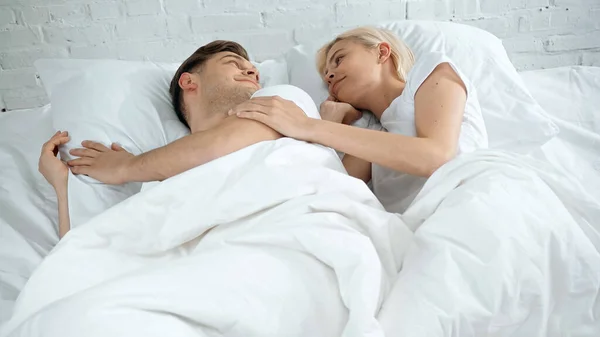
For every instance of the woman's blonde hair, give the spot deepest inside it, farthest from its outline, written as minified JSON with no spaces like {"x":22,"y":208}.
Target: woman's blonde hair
{"x":370,"y":37}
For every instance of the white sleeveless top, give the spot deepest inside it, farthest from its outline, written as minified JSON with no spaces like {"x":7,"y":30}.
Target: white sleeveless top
{"x":397,"y":190}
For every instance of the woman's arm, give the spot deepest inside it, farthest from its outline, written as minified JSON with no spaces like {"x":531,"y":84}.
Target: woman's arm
{"x":57,"y":174}
{"x":64,"y":222}
{"x":413,"y":155}
{"x":357,"y":167}
{"x":439,"y":108}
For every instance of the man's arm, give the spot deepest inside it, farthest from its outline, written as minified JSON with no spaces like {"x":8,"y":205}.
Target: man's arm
{"x":117,"y":166}
{"x":199,"y":148}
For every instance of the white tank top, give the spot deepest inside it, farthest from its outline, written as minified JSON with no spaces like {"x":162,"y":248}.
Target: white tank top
{"x":397,"y":190}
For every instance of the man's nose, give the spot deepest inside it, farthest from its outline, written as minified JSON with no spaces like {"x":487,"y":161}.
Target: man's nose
{"x":252,"y":72}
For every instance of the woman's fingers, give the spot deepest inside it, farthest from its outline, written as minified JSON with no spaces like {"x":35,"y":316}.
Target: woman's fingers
{"x":60,"y":140}
{"x":270,"y":101}
{"x":57,"y":137}
{"x":50,"y":141}
{"x":54,"y":142}
{"x":266,"y":105}
{"x":248,"y":106}
{"x":255,"y":115}
{"x":59,"y":134}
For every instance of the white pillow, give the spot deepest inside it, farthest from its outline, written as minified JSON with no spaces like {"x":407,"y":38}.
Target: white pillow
{"x":272,"y":72}
{"x":109,"y":101}
{"x":514,"y":120}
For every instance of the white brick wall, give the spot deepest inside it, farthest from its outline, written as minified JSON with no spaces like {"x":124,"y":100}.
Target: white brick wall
{"x":536,"y":33}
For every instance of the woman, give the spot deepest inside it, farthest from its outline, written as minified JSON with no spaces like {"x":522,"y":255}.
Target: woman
{"x":56,"y":173}
{"x":428,"y":108}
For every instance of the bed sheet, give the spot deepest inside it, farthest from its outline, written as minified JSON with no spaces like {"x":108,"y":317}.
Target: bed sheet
{"x":27,"y":203}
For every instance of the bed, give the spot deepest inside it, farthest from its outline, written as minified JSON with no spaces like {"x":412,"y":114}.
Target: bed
{"x":28,"y":218}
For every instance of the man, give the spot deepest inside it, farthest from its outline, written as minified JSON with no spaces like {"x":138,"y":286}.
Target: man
{"x":213,"y":80}
{"x":315,"y":250}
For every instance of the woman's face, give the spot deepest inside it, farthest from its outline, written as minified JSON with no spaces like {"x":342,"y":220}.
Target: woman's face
{"x":351,"y":70}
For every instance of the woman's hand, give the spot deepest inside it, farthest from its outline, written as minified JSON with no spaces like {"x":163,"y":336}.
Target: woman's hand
{"x":339,"y":112}
{"x":53,"y":169}
{"x":277,"y":113}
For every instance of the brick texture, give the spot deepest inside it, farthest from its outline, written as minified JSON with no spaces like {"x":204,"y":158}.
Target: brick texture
{"x":536,"y":33}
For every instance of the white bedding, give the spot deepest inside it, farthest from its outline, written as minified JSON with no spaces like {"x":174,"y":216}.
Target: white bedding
{"x":28,"y":230}
{"x":504,"y":246}
{"x":285,"y":243}
{"x":27,"y":203}
{"x":511,"y":274}
{"x":571,"y":96}
{"x":537,"y":280}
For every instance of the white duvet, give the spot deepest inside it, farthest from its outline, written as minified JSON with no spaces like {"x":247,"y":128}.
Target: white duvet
{"x":276,"y":240}
{"x":273,"y":240}
{"x":503,"y":246}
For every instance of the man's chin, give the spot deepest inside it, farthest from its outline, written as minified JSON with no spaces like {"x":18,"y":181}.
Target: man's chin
{"x":242,"y":93}
{"x":250,"y":91}
{"x":251,"y":87}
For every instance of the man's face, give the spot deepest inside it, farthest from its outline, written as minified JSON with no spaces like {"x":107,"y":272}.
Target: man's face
{"x":228,"y":77}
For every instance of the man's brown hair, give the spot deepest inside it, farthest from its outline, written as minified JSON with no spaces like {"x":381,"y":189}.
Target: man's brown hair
{"x":194,"y":63}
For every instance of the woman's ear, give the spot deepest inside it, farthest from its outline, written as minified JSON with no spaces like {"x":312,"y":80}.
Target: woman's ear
{"x":187,"y":82}
{"x":385,"y":51}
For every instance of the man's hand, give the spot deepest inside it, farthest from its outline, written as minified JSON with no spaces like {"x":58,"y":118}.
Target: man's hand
{"x":109,"y":166}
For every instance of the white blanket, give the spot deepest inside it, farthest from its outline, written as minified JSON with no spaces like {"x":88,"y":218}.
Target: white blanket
{"x":503,"y":246}
{"x":273,"y":240}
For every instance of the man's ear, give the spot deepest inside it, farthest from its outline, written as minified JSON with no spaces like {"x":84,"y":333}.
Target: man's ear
{"x":385,"y":51}
{"x":188,"y":82}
